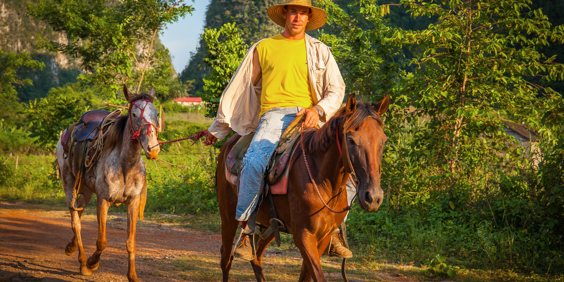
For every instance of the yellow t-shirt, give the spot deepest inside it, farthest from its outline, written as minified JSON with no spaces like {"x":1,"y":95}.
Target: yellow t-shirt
{"x":285,"y":80}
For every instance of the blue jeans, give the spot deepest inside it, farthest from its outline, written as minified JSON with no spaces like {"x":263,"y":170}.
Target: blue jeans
{"x":271,"y":126}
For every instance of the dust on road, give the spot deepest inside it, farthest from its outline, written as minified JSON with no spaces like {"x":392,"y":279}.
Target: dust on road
{"x":32,"y":246}
{"x":33,"y":239}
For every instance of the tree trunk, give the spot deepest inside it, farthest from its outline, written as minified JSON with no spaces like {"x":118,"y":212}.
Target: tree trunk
{"x":388,"y":194}
{"x":399,"y":190}
{"x":459,"y":120}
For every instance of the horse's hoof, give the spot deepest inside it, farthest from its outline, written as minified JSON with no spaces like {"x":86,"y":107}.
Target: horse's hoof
{"x":85,"y":271}
{"x":70,"y":249}
{"x":92,"y":266}
{"x":133,"y":279}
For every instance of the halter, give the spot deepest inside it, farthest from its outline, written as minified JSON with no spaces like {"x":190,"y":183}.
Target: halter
{"x":347,"y":160}
{"x":142,"y":122}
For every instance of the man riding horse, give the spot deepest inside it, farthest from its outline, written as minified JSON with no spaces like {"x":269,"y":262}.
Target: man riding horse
{"x":288,"y":75}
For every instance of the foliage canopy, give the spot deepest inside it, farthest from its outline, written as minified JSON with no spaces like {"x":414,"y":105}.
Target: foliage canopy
{"x":114,"y":40}
{"x":226,"y":49}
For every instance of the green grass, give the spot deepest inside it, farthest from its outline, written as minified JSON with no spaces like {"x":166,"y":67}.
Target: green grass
{"x":181,"y":193}
{"x":34,"y":180}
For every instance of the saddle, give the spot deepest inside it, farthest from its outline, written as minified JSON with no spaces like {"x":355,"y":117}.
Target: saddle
{"x":278,"y":168}
{"x":86,"y":129}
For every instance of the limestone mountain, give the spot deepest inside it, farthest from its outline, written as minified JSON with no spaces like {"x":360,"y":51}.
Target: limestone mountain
{"x":18,"y":33}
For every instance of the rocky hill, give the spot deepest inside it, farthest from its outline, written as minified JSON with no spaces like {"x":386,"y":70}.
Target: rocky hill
{"x":18,"y":33}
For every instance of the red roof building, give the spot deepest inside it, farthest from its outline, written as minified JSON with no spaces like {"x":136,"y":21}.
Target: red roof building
{"x":188,"y":101}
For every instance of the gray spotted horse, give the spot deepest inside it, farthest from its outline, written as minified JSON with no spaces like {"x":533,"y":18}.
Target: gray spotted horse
{"x":101,"y":154}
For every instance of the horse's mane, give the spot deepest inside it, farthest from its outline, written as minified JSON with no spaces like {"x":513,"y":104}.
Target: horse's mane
{"x":318,"y":141}
{"x":142,"y":95}
{"x":114,"y":135}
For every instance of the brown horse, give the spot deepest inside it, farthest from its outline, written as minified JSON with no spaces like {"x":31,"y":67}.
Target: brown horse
{"x":361,"y":136}
{"x":117,"y":177}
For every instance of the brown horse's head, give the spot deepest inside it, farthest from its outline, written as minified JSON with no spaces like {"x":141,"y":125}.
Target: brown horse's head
{"x":143,"y":121}
{"x":363,"y":143}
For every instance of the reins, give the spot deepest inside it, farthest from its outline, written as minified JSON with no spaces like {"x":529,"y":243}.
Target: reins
{"x":348,"y":207}
{"x":195,"y":136}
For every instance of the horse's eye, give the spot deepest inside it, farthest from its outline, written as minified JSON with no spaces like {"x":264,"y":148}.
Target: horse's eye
{"x":351,"y":141}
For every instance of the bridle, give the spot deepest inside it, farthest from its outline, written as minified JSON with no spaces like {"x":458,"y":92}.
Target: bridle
{"x":142,"y":122}
{"x":346,"y":163}
{"x":346,"y":157}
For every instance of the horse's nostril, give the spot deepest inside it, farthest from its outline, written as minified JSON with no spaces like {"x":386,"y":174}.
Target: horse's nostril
{"x":367,"y":197}
{"x":378,"y":201}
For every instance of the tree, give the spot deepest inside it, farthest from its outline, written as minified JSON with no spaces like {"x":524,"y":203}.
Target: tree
{"x":10,"y":64}
{"x":52,"y":75}
{"x":226,"y":50}
{"x":554,"y":10}
{"x":49,"y":116}
{"x":251,"y":19}
{"x":357,"y":41}
{"x":471,"y":70}
{"x":114,"y":40}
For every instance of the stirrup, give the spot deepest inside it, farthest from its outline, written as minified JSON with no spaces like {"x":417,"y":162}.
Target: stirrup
{"x":253,"y":241}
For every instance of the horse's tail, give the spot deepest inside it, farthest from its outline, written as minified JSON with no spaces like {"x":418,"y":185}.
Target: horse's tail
{"x":143,"y":200}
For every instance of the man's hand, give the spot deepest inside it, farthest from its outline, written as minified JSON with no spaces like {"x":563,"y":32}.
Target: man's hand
{"x":312,"y":116}
{"x":210,"y":139}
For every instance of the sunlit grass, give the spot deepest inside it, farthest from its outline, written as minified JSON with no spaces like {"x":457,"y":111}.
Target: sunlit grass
{"x":181,"y":193}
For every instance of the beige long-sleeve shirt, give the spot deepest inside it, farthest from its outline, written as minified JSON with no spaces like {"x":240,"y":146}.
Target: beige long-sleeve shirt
{"x":239,"y":106}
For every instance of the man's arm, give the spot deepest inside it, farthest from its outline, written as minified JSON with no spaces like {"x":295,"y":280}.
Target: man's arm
{"x":334,"y":92}
{"x":334,"y":87}
{"x":256,"y":76}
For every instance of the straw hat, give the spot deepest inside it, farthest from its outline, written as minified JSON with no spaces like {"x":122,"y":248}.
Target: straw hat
{"x":276,"y":14}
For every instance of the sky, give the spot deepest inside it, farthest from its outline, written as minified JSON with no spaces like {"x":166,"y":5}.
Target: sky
{"x":182,"y":37}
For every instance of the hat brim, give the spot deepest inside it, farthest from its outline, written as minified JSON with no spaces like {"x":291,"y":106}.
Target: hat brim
{"x":318,"y":19}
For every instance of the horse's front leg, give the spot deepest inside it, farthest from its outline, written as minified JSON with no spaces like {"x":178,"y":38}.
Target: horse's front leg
{"x":257,"y":262}
{"x":304,"y":273}
{"x":132,"y":213}
{"x":309,"y":247}
{"x":102,"y":212}
{"x":228,"y":231}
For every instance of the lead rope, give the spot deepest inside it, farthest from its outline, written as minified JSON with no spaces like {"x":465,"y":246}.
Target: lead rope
{"x":348,"y":207}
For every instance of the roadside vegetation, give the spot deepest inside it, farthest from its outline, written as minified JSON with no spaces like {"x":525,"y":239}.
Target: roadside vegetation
{"x":464,"y":199}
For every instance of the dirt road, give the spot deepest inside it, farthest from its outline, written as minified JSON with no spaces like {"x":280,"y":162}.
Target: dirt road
{"x":32,"y":242}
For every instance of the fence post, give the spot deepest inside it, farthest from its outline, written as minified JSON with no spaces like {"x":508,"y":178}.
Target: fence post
{"x":162,"y":120}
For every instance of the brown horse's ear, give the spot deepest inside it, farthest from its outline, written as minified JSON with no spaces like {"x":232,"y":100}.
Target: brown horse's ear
{"x":351,"y":104}
{"x":126,"y":93}
{"x":382,"y":106}
{"x":152,"y":92}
